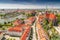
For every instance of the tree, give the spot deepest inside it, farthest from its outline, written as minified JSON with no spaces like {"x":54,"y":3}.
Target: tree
{"x":5,"y":23}
{"x":1,"y":25}
{"x":50,"y":24}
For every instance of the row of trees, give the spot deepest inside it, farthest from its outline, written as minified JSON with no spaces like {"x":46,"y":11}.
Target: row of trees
{"x":58,"y":18}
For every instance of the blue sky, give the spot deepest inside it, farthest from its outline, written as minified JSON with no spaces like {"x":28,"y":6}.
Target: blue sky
{"x":29,"y":3}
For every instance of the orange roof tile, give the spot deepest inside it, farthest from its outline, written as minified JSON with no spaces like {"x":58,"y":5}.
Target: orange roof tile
{"x":52,"y":16}
{"x":25,"y":34}
{"x":17,"y":22}
{"x":16,"y":28}
{"x":47,"y":15}
{"x":30,"y":20}
{"x":40,"y":18}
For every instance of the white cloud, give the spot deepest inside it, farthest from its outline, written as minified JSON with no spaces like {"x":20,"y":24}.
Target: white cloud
{"x":21,"y":6}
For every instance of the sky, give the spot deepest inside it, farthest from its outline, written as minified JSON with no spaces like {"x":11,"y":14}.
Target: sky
{"x":30,"y":1}
{"x":29,"y":4}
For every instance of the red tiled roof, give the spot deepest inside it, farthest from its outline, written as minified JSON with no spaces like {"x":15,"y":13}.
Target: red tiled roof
{"x":30,"y":20}
{"x":40,"y":17}
{"x":25,"y":34}
{"x":17,"y":28}
{"x":47,"y":15}
{"x":17,"y":22}
{"x":52,"y":16}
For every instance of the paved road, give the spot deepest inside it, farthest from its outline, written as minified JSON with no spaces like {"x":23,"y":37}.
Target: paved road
{"x":34,"y":31}
{"x":37,"y":30}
